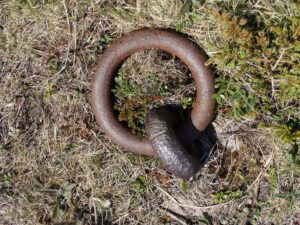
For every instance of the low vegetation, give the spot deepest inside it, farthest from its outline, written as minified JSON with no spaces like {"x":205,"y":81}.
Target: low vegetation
{"x":58,"y":167}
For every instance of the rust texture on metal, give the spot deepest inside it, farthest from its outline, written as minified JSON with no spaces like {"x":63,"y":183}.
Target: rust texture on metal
{"x":145,"y":39}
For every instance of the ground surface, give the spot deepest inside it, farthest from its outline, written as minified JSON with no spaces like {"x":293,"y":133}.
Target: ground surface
{"x":58,"y":167}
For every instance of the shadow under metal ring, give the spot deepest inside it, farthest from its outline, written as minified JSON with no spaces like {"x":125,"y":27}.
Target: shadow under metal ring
{"x":145,"y":39}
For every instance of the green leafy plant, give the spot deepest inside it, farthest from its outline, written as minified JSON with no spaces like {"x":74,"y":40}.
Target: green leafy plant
{"x":223,"y":196}
{"x":183,"y":185}
{"x":7,"y":179}
{"x":259,"y":65}
{"x":49,"y":91}
{"x":138,"y":184}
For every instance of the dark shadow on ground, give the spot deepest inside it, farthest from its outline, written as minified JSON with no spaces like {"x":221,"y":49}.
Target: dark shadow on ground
{"x":204,"y":144}
{"x":205,"y":141}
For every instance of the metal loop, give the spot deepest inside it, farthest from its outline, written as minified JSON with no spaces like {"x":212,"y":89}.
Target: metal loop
{"x":174,"y":43}
{"x":165,"y":143}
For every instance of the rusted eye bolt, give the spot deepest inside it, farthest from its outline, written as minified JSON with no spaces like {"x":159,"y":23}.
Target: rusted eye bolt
{"x":164,"y":141}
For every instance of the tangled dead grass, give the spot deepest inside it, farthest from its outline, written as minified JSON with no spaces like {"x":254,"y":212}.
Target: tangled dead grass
{"x":58,"y":167}
{"x":156,"y":78}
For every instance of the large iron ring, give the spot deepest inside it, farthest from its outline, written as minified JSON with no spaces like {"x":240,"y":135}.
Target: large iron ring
{"x":171,"y":42}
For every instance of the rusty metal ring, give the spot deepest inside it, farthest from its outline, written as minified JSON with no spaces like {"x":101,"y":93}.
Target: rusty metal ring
{"x":171,"y":42}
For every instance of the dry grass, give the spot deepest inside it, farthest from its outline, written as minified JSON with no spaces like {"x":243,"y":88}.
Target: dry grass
{"x":150,"y":79}
{"x":58,"y":167}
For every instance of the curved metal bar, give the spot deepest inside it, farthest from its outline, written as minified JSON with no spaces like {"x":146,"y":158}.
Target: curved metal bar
{"x":176,"y":159}
{"x":174,"y":43}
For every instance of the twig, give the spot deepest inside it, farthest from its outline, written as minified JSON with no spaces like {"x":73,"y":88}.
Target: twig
{"x":120,"y":218}
{"x":95,"y":212}
{"x":68,"y":51}
{"x":278,"y":60}
{"x":192,"y":206}
{"x":273,"y":87}
{"x":75,"y":33}
{"x":175,"y":217}
{"x":31,"y":5}
{"x":261,"y":172}
{"x":138,"y":7}
{"x":67,"y":15}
